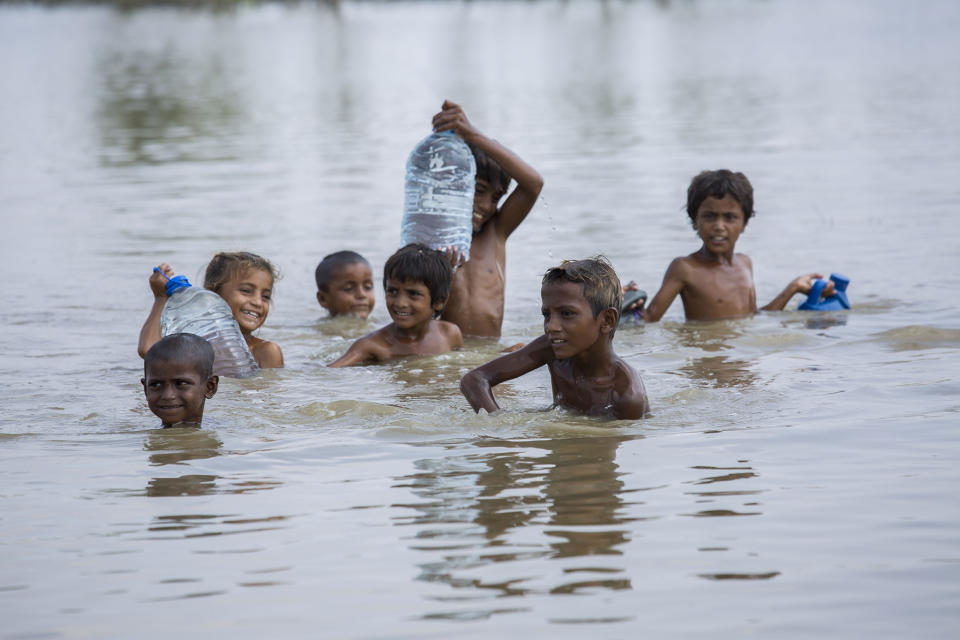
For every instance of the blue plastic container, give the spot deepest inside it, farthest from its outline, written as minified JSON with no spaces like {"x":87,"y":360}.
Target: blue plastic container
{"x":837,"y":302}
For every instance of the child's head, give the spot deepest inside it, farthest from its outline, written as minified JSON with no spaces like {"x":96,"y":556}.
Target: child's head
{"x":418,"y":263}
{"x":245,"y":280}
{"x":178,"y":378}
{"x":345,"y":284}
{"x":580,"y":287}
{"x":492,"y":185}
{"x":601,"y":286}
{"x":717,"y":184}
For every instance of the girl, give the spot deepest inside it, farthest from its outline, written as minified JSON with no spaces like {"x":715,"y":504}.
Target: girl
{"x":245,"y":281}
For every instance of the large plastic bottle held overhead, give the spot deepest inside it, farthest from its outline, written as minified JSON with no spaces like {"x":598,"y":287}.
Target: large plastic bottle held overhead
{"x":202,"y":312}
{"x":438,"y":197}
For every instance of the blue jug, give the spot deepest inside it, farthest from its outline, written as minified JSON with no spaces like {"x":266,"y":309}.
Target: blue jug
{"x":837,"y":302}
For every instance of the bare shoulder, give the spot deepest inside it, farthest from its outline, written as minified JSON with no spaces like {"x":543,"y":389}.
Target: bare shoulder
{"x":745,"y":260}
{"x":451,"y":333}
{"x":267,"y":354}
{"x":631,"y":396}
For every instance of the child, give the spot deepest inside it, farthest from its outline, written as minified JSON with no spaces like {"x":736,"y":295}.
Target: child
{"x":178,"y":379}
{"x":476,"y":296}
{"x":581,"y":309}
{"x":245,"y":281}
{"x":345,"y":284}
{"x":416,"y":283}
{"x":714,"y":282}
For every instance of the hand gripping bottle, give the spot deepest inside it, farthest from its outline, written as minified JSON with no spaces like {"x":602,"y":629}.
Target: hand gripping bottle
{"x":438,"y":199}
{"x":837,"y":302}
{"x":201,"y":312}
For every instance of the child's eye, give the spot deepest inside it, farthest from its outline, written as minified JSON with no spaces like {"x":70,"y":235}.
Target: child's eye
{"x":368,"y":286}
{"x":566,"y":313}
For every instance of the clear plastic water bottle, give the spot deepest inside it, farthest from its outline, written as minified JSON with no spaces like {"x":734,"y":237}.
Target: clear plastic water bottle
{"x":438,"y":200}
{"x":201,"y":312}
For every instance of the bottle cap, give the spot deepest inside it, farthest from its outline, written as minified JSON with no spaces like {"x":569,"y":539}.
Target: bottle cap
{"x":176,"y":283}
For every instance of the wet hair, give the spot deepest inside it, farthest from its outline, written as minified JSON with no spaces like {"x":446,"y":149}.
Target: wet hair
{"x":490,"y":170}
{"x":718,"y":184}
{"x":182,"y":347}
{"x":601,"y":286}
{"x":419,"y":263}
{"x":226,"y":266}
{"x":333,"y":263}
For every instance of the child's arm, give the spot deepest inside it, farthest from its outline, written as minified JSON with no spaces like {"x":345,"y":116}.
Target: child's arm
{"x":673,"y":281}
{"x":477,"y":385}
{"x":529,"y":183}
{"x":150,"y":332}
{"x":359,"y":351}
{"x":800,"y":284}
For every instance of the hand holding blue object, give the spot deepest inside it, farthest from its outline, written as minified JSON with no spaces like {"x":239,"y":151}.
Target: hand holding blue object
{"x":837,"y":302}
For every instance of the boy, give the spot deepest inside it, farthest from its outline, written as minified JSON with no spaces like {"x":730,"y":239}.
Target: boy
{"x":416,"y":283}
{"x":714,"y":282}
{"x":476,"y":296}
{"x":345,"y":284}
{"x":178,"y":379}
{"x":581,"y":309}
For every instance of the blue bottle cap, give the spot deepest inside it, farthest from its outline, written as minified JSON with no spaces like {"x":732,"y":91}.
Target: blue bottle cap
{"x":176,"y":283}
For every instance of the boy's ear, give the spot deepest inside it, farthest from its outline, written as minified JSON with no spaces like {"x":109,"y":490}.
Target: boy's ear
{"x":323,"y":299}
{"x":609,"y":318}
{"x":210,"y":386}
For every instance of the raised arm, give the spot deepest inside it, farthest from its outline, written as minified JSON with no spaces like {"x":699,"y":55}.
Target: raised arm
{"x":529,"y":183}
{"x":672,"y":285}
{"x":477,"y":385}
{"x":800,"y":284}
{"x":150,"y":332}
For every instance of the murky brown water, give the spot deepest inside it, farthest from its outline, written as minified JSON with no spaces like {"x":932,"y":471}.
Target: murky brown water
{"x":797,"y":478}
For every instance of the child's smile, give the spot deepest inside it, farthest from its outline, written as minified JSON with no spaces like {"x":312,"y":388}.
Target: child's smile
{"x":409,"y":303}
{"x":249,"y":298}
{"x":176,"y":392}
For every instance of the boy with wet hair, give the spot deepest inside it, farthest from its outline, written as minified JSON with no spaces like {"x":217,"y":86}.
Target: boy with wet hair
{"x":345,"y":284}
{"x":581,"y":310}
{"x":715,"y":282}
{"x":178,"y":379}
{"x":416,"y":283}
{"x":477,"y":293}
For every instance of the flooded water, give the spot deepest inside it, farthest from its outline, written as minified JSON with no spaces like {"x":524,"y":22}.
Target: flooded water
{"x":797,"y":477}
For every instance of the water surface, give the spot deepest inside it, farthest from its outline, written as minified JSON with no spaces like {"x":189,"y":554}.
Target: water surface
{"x":796,"y":479}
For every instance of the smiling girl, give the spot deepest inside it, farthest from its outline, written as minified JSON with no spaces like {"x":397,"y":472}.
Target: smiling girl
{"x":245,"y":281}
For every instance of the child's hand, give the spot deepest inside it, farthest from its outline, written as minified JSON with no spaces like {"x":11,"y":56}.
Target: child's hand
{"x":158,"y":283}
{"x":454,"y":255}
{"x":452,"y":117}
{"x":804,"y":283}
{"x":631,"y":286}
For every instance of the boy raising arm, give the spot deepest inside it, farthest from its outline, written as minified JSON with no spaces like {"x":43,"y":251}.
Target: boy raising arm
{"x":581,"y":302}
{"x":715,"y":282}
{"x":416,"y":283}
{"x":477,"y":293}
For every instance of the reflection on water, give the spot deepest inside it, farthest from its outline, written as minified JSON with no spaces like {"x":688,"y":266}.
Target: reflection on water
{"x":175,"y":446}
{"x":156,"y":106}
{"x":568,"y":490}
{"x":720,"y":371}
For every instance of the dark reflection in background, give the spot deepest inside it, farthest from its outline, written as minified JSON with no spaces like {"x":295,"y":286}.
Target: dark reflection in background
{"x":157,"y":106}
{"x":568,"y":489}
